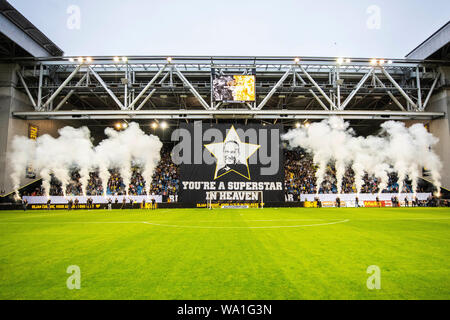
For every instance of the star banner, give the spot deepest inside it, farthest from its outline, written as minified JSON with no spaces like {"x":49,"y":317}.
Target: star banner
{"x":229,"y":163}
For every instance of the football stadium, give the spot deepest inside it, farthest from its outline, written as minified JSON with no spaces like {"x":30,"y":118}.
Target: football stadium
{"x":192,"y":177}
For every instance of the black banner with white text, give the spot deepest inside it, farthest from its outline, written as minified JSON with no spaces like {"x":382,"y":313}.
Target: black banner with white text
{"x":229,"y":163}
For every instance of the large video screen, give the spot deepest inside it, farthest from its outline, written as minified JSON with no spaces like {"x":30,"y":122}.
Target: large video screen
{"x":236,"y":88}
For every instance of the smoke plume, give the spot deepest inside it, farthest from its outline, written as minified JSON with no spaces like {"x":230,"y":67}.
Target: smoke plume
{"x":396,"y":149}
{"x":73,"y":150}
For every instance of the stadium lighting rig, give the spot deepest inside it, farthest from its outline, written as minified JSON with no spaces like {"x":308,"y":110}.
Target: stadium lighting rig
{"x":154,"y":125}
{"x":121,"y":126}
{"x":163,"y":125}
{"x":117,"y":59}
{"x":343,"y":60}
{"x":379,"y":62}
{"x":82,"y":59}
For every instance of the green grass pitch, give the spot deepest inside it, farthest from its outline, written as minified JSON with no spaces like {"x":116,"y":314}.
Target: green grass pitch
{"x":271,"y":253}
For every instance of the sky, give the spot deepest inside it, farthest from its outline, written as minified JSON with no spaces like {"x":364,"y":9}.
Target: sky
{"x":375,"y":28}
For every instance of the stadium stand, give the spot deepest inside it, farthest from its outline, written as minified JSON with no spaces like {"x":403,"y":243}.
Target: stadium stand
{"x":165,"y":182}
{"x":299,"y":179}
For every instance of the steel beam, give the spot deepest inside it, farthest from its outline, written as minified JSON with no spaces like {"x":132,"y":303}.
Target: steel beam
{"x":191,"y":88}
{"x":391,"y":95}
{"x":113,"y":96}
{"x":53,"y":96}
{"x":270,"y":72}
{"x":419,"y":91}
{"x":431,"y":91}
{"x":21,"y":38}
{"x":338,"y":89}
{"x":41,"y":77}
{"x":228,"y":114}
{"x":312,"y":92}
{"x":27,"y":91}
{"x":396,"y":85}
{"x":71,"y":92}
{"x":146,"y":88}
{"x":352,"y":94}
{"x":332,"y":105}
{"x":152,"y":92}
{"x":274,"y":89}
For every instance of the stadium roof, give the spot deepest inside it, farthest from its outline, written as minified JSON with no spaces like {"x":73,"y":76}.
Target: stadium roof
{"x":434,"y":47}
{"x":19,"y":37}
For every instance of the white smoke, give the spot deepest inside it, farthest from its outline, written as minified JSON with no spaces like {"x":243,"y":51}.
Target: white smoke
{"x":396,"y":149}
{"x":73,"y":149}
{"x":123,"y":148}
{"x":326,"y":140}
{"x":20,"y":158}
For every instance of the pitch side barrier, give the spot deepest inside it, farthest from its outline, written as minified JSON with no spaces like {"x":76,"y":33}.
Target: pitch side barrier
{"x":364,"y":199}
{"x":306,"y":200}
{"x":95,"y":206}
{"x":96,"y":199}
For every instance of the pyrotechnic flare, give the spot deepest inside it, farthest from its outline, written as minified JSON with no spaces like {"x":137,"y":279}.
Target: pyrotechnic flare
{"x":397,"y":149}
{"x":73,"y":149}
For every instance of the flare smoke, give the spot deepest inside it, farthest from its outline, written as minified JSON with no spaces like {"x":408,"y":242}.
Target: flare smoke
{"x":73,"y":149}
{"x":396,"y":149}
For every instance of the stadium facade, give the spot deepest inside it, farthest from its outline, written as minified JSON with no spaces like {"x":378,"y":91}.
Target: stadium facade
{"x":41,"y":90}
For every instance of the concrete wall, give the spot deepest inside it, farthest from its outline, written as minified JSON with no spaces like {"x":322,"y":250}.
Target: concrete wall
{"x":441,"y":129}
{"x":440,"y":102}
{"x":11,"y":100}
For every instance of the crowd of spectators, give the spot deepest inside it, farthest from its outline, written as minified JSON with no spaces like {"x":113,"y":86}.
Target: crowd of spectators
{"x":299,"y":179}
{"x":165,"y":182}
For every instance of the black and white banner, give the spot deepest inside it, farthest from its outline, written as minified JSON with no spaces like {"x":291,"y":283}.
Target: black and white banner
{"x":229,"y":163}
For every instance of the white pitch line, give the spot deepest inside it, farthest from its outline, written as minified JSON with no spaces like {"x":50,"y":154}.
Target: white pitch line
{"x":68,"y":222}
{"x":36,"y":216}
{"x":248,"y":227}
{"x":232,"y":221}
{"x":61,"y":222}
{"x":401,"y":219}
